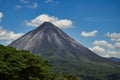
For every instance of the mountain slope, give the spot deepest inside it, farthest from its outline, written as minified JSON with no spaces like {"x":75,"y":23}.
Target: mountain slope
{"x":49,"y":37}
{"x":66,"y":55}
{"x":114,"y":59}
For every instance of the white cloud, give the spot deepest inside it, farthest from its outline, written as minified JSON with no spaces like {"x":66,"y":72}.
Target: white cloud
{"x":1,"y":16}
{"x":97,"y":49}
{"x":113,"y":53}
{"x":8,"y":36}
{"x":24,"y":1}
{"x":89,"y":34}
{"x":33,"y":6}
{"x":108,"y":49}
{"x":61,"y":23}
{"x":27,"y":4}
{"x":117,"y":45}
{"x":105,"y":52}
{"x":113,"y":36}
{"x":103,"y":43}
{"x":107,"y":56}
{"x":48,"y":1}
{"x":18,"y":6}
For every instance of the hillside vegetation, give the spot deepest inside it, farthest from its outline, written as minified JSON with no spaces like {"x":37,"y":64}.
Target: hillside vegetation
{"x":22,"y":65}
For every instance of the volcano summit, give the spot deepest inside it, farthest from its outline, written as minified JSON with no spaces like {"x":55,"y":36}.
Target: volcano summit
{"x":66,"y":55}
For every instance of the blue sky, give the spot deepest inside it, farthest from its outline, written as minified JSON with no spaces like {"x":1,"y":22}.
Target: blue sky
{"x":93,"y":23}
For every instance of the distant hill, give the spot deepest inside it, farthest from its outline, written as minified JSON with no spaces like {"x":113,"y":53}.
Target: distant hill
{"x":66,"y":55}
{"x":115,"y":59}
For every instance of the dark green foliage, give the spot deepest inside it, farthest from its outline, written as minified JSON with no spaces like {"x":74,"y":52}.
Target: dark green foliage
{"x":67,"y":77}
{"x":113,"y":77}
{"x":88,"y":77}
{"x":21,"y":65}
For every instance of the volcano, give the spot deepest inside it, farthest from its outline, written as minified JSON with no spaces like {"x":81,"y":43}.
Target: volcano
{"x":66,"y":54}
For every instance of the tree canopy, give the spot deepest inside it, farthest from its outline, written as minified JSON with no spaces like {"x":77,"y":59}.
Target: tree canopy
{"x":22,"y":65}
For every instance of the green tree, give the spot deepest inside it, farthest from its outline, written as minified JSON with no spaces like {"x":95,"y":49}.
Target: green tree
{"x":68,"y":77}
{"x":22,"y":65}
